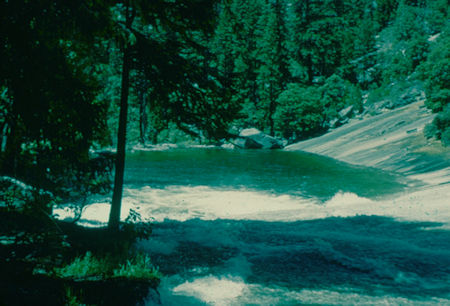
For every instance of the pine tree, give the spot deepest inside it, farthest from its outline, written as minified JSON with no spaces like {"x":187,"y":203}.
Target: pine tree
{"x":273,"y":72}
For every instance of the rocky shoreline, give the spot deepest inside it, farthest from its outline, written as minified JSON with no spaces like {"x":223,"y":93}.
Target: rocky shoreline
{"x":394,"y":141}
{"x":391,"y":141}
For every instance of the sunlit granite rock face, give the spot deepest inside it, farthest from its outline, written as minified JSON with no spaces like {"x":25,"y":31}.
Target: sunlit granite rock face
{"x":392,"y":141}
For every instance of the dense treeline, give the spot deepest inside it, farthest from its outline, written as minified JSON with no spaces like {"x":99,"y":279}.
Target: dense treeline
{"x":289,"y":67}
{"x":293,"y":65}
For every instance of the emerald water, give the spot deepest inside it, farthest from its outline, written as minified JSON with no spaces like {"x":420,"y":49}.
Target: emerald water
{"x":284,"y":228}
{"x":277,"y":172}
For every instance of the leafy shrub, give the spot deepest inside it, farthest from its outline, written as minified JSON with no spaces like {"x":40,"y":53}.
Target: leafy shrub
{"x":436,"y":76}
{"x":107,"y":267}
{"x":403,"y":45}
{"x":300,"y":113}
{"x":82,"y":267}
{"x":20,"y":197}
{"x":139,"y":267}
{"x":440,"y":127}
{"x":394,"y":95}
{"x":401,"y":58}
{"x":337,"y":94}
{"x":435,"y":73}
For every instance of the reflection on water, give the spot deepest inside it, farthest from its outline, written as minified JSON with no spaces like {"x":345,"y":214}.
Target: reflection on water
{"x":279,"y":172}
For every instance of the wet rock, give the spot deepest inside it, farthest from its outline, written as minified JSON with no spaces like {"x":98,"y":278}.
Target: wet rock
{"x":255,"y":139}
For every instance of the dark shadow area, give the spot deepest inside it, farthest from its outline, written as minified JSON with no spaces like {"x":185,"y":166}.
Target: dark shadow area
{"x":378,"y":255}
{"x":33,"y":247}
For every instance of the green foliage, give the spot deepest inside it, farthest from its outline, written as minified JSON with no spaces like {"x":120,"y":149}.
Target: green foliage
{"x":300,"y":113}
{"x":318,"y":46}
{"x":51,"y":116}
{"x":384,"y":9}
{"x":403,"y":45}
{"x":337,"y":94}
{"x":139,"y":267}
{"x":272,"y":72}
{"x":174,"y":135}
{"x":303,"y":111}
{"x":440,"y":127}
{"x":435,"y":73}
{"x":408,"y":22}
{"x":19,"y":197}
{"x":71,"y":298}
{"x":395,"y":94}
{"x":107,"y":267}
{"x":436,"y":15}
{"x":83,"y":267}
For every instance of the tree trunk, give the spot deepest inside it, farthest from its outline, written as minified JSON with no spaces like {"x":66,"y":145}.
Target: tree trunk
{"x":154,"y":136}
{"x":114,"y":215}
{"x":272,"y":107}
{"x":11,"y":150}
{"x":142,"y":116}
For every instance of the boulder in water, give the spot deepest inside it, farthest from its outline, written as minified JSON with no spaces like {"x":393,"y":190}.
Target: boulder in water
{"x":255,"y":139}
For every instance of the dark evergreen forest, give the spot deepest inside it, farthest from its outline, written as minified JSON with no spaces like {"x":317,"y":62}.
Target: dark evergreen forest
{"x":80,"y":76}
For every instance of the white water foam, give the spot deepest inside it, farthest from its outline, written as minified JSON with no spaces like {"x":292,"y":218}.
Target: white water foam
{"x":182,"y":203}
{"x":228,"y":290}
{"x":212,"y":289}
{"x":206,"y":203}
{"x":95,"y":214}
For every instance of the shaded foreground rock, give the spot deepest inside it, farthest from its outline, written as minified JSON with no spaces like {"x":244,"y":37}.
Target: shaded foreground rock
{"x":255,"y":139}
{"x":32,"y":245}
{"x":45,"y":290}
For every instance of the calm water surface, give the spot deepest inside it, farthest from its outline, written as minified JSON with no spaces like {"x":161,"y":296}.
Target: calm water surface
{"x":280,"y":172}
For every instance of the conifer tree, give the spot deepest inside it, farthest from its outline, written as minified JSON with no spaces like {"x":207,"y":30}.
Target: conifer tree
{"x":273,"y":72}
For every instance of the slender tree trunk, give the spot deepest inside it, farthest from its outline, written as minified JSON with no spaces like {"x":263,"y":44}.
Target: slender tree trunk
{"x":272,"y":107}
{"x":114,"y":215}
{"x":154,"y":136}
{"x":142,"y":116}
{"x":10,"y":151}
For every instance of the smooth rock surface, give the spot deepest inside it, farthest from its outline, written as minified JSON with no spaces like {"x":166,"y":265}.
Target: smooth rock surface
{"x":392,"y":141}
{"x":255,"y":139}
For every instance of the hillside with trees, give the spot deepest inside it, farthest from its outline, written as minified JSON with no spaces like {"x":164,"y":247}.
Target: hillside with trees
{"x":288,"y":68}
